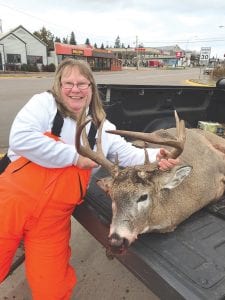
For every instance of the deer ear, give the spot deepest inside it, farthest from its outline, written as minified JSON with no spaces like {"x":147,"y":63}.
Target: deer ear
{"x":105,"y":184}
{"x":180,"y":174}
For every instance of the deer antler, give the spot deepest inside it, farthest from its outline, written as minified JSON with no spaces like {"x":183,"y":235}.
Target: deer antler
{"x":160,"y":137}
{"x":85,"y":149}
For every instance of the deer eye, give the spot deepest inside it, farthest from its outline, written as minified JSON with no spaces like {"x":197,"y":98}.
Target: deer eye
{"x":142,"y":198}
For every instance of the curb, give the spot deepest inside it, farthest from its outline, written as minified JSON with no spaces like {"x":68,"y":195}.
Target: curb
{"x":194,"y":83}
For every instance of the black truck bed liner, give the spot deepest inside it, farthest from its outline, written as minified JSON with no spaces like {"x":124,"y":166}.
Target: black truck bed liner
{"x":188,"y":263}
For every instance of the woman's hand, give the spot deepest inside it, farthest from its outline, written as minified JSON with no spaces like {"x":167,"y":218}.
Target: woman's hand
{"x":164,"y":162}
{"x":86,"y":163}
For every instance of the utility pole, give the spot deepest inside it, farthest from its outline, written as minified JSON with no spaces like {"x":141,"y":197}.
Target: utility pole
{"x":137,"y":54}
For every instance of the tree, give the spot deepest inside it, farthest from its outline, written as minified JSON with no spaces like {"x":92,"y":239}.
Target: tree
{"x":72,"y":39}
{"x":87,"y":42}
{"x":117,"y":43}
{"x":65,"y":40}
{"x":95,"y":45}
{"x":57,"y":40}
{"x":102,"y":46}
{"x":46,"y":36}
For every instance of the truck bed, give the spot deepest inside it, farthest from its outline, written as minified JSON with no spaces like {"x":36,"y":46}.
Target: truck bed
{"x":188,"y":263}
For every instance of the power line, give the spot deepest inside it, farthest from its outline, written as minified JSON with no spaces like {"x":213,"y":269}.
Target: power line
{"x":25,"y":13}
{"x":40,"y":19}
{"x":185,"y":41}
{"x":203,"y":40}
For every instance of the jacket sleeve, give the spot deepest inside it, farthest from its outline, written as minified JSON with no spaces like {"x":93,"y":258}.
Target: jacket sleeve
{"x":128,"y":154}
{"x":27,"y":137}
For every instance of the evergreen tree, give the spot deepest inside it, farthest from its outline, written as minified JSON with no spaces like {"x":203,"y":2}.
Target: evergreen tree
{"x":102,"y":46}
{"x":57,"y":40}
{"x":117,"y":43}
{"x":95,"y":45}
{"x":65,"y":40}
{"x":72,"y":39}
{"x":46,"y":36}
{"x":87,"y":42}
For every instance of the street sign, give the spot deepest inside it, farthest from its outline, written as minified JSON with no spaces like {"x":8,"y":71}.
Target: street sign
{"x":204,"y":55}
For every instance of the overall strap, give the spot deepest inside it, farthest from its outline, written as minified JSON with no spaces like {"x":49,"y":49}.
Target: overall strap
{"x":58,"y":124}
{"x":4,"y":162}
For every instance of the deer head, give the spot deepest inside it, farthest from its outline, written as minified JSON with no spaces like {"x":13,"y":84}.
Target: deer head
{"x":132,"y":189}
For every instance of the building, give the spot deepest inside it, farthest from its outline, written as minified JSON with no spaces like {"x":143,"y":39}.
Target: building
{"x":150,"y":56}
{"x":18,"y":47}
{"x":99,"y":59}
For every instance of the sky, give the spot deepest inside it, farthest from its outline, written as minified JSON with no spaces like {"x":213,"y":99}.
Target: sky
{"x":191,"y":24}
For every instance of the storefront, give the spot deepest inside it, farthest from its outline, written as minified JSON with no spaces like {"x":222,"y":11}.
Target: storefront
{"x":99,"y":59}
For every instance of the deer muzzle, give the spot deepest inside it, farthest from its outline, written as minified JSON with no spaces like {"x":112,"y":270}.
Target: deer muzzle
{"x":118,"y":244}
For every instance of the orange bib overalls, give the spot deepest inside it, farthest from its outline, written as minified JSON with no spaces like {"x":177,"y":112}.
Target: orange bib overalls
{"x":36,"y":204}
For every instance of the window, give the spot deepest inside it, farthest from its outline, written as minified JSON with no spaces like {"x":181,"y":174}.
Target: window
{"x":13,"y":58}
{"x":32,"y":59}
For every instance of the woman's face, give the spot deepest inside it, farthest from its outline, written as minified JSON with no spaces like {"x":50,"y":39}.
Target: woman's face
{"x":76,"y":90}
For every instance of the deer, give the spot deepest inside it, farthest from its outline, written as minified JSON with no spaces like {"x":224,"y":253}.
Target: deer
{"x":147,"y":199}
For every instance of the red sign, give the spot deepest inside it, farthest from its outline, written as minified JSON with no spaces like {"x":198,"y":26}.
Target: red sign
{"x":179,"y":54}
{"x":140,"y":49}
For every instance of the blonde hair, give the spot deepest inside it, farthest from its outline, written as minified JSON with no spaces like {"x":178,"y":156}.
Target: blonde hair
{"x":96,"y":108}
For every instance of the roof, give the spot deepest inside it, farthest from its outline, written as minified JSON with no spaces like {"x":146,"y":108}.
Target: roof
{"x":170,"y":48}
{"x":13,"y":31}
{"x":68,"y":49}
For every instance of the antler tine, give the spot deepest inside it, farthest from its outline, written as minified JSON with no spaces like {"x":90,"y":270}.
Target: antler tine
{"x":181,"y":136}
{"x":160,"y":137}
{"x":86,"y":151}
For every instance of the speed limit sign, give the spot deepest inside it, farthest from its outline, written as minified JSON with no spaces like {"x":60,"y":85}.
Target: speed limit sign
{"x":205,"y":55}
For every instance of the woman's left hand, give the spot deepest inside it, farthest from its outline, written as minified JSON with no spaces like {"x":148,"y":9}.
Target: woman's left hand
{"x":164,"y":162}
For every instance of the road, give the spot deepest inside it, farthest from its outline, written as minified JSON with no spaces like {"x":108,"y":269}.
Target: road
{"x":16,"y":91}
{"x":98,"y":277}
{"x":150,"y":76}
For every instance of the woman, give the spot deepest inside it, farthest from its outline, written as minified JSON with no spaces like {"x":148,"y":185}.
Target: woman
{"x":47,"y":178}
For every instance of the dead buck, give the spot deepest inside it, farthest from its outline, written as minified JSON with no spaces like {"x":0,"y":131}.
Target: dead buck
{"x":146,"y":199}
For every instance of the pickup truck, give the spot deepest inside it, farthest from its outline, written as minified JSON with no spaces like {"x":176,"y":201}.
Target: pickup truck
{"x":188,"y":263}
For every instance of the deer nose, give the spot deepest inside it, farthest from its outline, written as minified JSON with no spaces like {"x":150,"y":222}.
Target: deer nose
{"x":116,"y":241}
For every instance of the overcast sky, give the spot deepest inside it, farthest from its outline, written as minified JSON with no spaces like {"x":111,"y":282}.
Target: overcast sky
{"x":191,"y":24}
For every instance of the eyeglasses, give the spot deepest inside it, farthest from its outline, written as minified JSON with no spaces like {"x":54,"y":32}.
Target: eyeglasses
{"x":79,"y":85}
